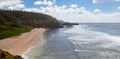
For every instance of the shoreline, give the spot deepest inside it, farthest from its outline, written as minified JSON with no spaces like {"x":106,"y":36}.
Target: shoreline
{"x":31,"y":50}
{"x":19,"y":45}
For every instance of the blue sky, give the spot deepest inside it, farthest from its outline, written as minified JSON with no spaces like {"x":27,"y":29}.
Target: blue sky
{"x":70,"y":10}
{"x":104,"y":6}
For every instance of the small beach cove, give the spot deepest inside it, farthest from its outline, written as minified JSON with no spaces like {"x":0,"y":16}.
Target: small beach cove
{"x":19,"y":44}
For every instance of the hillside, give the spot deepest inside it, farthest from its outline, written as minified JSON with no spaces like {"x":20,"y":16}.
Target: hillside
{"x":16,"y":22}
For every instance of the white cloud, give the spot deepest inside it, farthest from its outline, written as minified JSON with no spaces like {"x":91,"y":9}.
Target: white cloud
{"x":45,"y":2}
{"x":119,"y":8}
{"x":11,"y":4}
{"x":96,"y":1}
{"x":50,"y":3}
{"x":31,"y":9}
{"x":77,"y":14}
{"x":17,"y":7}
{"x":97,"y":11}
{"x":38,"y":3}
{"x":74,"y":5}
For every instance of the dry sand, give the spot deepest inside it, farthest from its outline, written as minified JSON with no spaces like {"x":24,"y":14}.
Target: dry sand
{"x":19,"y":44}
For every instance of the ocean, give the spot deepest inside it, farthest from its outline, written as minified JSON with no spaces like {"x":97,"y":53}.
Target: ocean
{"x":84,"y":41}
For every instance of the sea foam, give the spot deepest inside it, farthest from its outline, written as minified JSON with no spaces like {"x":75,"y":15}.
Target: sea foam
{"x":82,"y":34}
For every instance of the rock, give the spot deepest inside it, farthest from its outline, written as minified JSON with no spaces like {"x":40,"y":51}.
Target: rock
{"x":2,"y":55}
{"x":18,"y":57}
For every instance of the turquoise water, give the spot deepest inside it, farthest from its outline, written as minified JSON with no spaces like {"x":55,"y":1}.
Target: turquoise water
{"x":85,"y":41}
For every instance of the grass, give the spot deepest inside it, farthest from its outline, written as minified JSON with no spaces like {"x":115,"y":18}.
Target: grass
{"x":13,"y":32}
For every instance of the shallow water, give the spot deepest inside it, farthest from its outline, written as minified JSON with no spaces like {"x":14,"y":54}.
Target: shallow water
{"x":86,"y":41}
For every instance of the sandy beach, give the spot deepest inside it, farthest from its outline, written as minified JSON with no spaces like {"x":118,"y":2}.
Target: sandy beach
{"x":19,"y":44}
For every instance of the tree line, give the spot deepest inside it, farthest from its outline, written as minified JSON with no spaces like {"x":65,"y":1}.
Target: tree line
{"x":15,"y":22}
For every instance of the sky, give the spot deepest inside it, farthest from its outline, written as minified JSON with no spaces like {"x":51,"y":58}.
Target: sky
{"x":70,"y":10}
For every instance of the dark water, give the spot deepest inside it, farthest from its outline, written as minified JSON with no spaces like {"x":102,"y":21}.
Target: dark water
{"x":85,"y":41}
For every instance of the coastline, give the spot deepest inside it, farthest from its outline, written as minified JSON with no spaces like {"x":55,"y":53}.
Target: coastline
{"x":27,"y":54}
{"x":18,"y":45}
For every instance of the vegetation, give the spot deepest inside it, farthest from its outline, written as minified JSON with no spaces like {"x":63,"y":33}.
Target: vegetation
{"x":16,"y":22}
{"x":6,"y":55}
{"x":14,"y":31}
